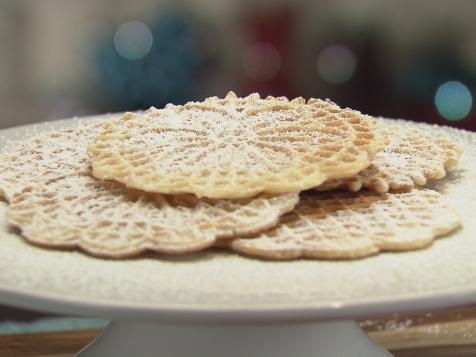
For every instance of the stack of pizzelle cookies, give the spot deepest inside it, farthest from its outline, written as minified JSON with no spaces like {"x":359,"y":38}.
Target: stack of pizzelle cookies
{"x":267,"y":177}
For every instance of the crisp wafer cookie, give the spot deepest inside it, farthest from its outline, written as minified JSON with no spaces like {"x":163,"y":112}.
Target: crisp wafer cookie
{"x":105,"y":219}
{"x":410,"y":159}
{"x":46,"y":156}
{"x":354,"y":225}
{"x":235,"y":147}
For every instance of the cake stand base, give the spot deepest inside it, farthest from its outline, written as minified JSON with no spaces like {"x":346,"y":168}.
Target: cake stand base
{"x":150,"y":339}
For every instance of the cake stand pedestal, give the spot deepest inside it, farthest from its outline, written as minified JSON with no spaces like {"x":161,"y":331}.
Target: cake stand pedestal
{"x":126,"y":338}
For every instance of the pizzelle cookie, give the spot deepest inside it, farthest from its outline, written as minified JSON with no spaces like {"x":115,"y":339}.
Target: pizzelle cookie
{"x":235,"y":147}
{"x":45,"y":157}
{"x":105,"y":219}
{"x":410,"y":159}
{"x":354,"y":225}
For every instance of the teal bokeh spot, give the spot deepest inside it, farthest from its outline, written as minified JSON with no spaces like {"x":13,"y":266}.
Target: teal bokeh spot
{"x":453,"y":100}
{"x":133,"y":40}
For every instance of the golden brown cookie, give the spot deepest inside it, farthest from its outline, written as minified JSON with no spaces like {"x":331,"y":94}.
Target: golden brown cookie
{"x":410,"y":159}
{"x":354,"y":225}
{"x":235,"y":147}
{"x":105,"y":219}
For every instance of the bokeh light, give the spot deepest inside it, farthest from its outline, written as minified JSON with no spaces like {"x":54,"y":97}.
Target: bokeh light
{"x":133,"y":40}
{"x":453,"y":100}
{"x":261,"y":61}
{"x":336,"y":64}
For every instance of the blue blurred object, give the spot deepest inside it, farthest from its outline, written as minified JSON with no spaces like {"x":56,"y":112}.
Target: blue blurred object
{"x":453,"y":100}
{"x":51,"y":324}
{"x":168,"y":73}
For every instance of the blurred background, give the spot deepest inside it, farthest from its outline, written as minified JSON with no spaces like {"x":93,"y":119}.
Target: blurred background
{"x":401,"y":59}
{"x":408,"y":59}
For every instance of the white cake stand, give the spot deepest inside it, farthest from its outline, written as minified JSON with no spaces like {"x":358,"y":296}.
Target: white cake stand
{"x":217,"y":303}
